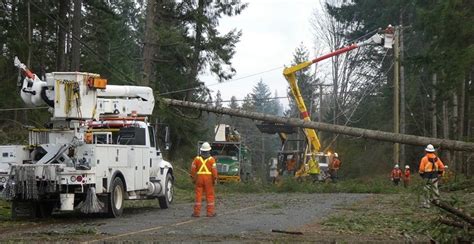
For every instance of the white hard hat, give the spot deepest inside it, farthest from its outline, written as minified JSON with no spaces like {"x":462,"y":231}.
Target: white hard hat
{"x":396,"y":166}
{"x":407,"y":166}
{"x":205,"y":147}
{"x":430,"y":148}
{"x":335,"y":155}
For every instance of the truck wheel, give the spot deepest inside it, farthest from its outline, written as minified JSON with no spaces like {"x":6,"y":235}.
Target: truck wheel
{"x":169,"y":191}
{"x":116,"y":198}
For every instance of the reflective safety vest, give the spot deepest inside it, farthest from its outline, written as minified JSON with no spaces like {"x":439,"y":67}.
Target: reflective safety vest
{"x":432,"y":166}
{"x":203,"y":170}
{"x":313,"y":168}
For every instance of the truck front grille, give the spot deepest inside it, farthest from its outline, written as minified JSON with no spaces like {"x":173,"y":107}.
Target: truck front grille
{"x":222,"y":168}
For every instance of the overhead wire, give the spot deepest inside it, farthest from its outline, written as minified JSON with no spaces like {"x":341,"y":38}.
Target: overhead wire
{"x":219,"y":83}
{"x":360,"y":100}
{"x":20,"y":109}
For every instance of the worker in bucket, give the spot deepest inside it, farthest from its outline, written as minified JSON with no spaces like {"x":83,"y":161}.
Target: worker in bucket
{"x":396,"y":175}
{"x":431,"y":169}
{"x":204,"y":176}
{"x":406,"y":176}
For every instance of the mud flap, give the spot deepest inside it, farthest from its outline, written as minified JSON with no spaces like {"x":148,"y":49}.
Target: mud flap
{"x":23,"y":210}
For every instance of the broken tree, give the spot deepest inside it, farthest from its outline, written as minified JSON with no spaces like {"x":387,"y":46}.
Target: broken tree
{"x":344,"y":130}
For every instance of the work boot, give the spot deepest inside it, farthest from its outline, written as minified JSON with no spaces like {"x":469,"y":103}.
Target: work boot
{"x":195,"y":215}
{"x":212,"y":215}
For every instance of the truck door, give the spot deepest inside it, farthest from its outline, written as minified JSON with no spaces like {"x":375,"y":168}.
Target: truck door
{"x":153,"y":159}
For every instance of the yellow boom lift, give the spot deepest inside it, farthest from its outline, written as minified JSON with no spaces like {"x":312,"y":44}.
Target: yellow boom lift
{"x":314,"y":145}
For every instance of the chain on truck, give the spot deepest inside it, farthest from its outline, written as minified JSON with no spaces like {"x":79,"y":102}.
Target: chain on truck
{"x":98,"y":151}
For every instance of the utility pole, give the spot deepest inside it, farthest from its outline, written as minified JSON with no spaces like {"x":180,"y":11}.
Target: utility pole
{"x":402,"y":93}
{"x":396,"y":98}
{"x":30,"y":48}
{"x":320,"y":103}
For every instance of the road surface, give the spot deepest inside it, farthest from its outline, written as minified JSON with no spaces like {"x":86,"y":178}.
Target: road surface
{"x":241,"y":217}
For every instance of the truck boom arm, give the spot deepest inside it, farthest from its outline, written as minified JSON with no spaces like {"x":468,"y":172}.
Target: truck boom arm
{"x":290,"y":75}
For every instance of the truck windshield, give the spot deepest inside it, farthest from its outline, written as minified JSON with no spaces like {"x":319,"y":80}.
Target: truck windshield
{"x":225,"y":150}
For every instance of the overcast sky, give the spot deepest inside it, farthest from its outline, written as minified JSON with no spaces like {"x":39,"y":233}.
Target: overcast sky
{"x":271,"y":31}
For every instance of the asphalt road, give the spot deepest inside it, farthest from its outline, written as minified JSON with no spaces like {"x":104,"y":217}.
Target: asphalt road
{"x":241,"y":217}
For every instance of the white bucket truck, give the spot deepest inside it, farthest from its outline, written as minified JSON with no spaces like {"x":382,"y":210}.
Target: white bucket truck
{"x":98,"y":151}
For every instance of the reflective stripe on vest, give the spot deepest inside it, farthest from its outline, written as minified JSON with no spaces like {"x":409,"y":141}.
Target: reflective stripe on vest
{"x":203,"y":170}
{"x":432,"y":165}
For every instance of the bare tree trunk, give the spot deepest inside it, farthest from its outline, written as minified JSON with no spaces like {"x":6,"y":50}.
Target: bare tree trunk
{"x":76,"y":35}
{"x":197,"y":48}
{"x":345,"y":130}
{"x":466,"y":117}
{"x":454,"y":123}
{"x":61,"y":52}
{"x":460,"y":122}
{"x":446,"y":129}
{"x":150,"y":42}
{"x":434,"y":124}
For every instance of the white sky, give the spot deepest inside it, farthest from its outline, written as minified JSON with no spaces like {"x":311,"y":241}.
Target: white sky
{"x":271,"y":31}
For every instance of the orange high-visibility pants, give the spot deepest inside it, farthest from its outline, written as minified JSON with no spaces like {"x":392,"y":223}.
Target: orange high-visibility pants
{"x":204,"y":183}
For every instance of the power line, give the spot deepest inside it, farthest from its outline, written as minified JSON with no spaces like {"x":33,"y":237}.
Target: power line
{"x":20,"y":109}
{"x":252,"y":99}
{"x":219,"y":83}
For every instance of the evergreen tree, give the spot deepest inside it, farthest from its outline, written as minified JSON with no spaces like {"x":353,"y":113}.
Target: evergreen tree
{"x":218,"y":102}
{"x":210,"y":49}
{"x":306,"y":84}
{"x":233,"y":103}
{"x":262,"y":100}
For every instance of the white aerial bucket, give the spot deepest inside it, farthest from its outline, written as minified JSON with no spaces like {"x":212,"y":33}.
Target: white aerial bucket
{"x":67,"y":201}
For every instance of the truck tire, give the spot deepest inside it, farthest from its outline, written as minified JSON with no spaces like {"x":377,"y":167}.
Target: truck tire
{"x":116,"y":198}
{"x":168,"y":197}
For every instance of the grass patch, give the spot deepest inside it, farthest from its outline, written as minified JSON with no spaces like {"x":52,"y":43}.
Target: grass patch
{"x":376,"y":185}
{"x":274,"y":206}
{"x":5,"y":209}
{"x":400,"y":216}
{"x":388,"y":215}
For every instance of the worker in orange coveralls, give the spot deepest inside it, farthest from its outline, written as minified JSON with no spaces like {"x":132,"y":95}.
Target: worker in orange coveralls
{"x":396,"y":175}
{"x":204,"y":176}
{"x":431,"y":169}
{"x":406,"y":176}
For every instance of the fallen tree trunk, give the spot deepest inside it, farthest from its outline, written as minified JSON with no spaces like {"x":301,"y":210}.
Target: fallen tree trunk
{"x":344,"y":130}
{"x":464,"y":216}
{"x":453,"y":223}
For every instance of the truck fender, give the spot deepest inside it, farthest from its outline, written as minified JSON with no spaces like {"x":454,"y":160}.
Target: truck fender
{"x":117,"y":173}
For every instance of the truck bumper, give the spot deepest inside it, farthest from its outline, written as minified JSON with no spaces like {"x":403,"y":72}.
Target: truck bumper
{"x":226,"y":178}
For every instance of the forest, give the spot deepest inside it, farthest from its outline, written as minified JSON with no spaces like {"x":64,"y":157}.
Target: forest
{"x":168,"y":44}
